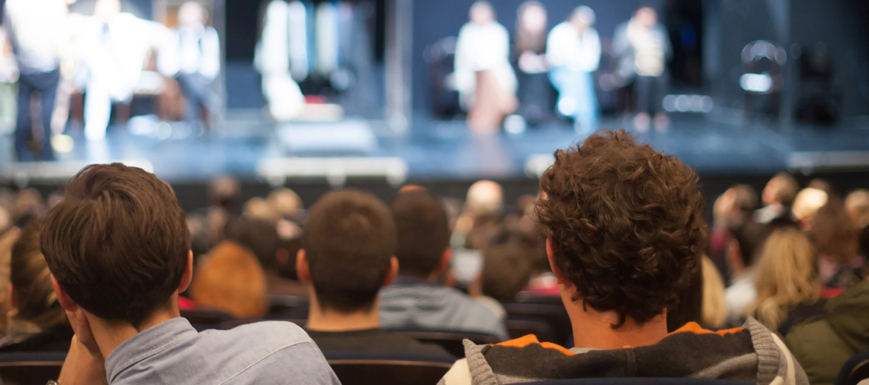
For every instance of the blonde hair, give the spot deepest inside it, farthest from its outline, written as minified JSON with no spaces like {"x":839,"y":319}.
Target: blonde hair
{"x":786,"y":277}
{"x":230,"y":278}
{"x":714,"y":309}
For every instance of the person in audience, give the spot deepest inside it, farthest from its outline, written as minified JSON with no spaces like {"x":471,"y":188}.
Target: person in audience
{"x":731,"y":210}
{"x":806,"y":205}
{"x":573,"y":51}
{"x":788,"y":287}
{"x":529,"y":58}
{"x":37,"y":322}
{"x":286,"y":203}
{"x":506,"y":271}
{"x":777,"y":197}
{"x":230,"y":279}
{"x":262,"y":238}
{"x":857,"y":206}
{"x":741,"y":256}
{"x":416,"y":299}
{"x":347,"y":256}
{"x":714,"y":308}
{"x":624,"y":229}
{"x":119,"y":253}
{"x":823,"y":345}
{"x":840,"y":262}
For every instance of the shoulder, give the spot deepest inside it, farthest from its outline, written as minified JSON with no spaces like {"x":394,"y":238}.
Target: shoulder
{"x":278,"y":331}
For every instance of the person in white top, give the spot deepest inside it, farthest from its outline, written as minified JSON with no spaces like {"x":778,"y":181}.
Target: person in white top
{"x":573,"y":52}
{"x":281,"y":56}
{"x":483,"y":51}
{"x":192,"y":57}
{"x":114,"y":47}
{"x":36,"y":31}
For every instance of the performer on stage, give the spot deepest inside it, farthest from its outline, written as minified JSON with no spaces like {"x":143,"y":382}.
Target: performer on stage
{"x":530,"y":60}
{"x":36,"y":31}
{"x":643,"y":47}
{"x":573,"y":51}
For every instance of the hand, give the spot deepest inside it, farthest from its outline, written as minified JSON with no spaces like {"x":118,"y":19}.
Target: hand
{"x":84,"y":363}
{"x":82,"y":328}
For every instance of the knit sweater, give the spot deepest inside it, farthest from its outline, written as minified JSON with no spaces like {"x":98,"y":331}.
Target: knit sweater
{"x":750,"y":354}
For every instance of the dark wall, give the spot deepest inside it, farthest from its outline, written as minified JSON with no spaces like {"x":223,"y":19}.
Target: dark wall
{"x":434,"y":20}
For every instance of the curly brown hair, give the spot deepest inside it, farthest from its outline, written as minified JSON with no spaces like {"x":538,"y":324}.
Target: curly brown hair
{"x":625,"y":223}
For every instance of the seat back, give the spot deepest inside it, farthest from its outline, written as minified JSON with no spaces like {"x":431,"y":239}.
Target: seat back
{"x":520,"y":328}
{"x":552,"y":314}
{"x":451,"y":341}
{"x":369,"y":368}
{"x":637,"y":381}
{"x":30,"y":368}
{"x":855,"y":370}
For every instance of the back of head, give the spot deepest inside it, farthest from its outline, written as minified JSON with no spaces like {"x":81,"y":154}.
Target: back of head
{"x":745,"y":197}
{"x":31,"y":282}
{"x":624,"y":222}
{"x":484,"y":197}
{"x":423,"y":232}
{"x":349,"y":240}
{"x":118,"y":243}
{"x":781,"y":189}
{"x":506,"y":270}
{"x":806,"y":204}
{"x":857,"y":206}
{"x":259,"y":236}
{"x":786,"y":276}
{"x":285,"y":202}
{"x":230,"y":278}
{"x":833,"y":232}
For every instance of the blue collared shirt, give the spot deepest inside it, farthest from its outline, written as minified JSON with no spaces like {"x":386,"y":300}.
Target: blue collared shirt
{"x":260,"y":353}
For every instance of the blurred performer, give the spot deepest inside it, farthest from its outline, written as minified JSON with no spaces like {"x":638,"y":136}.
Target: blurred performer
{"x":192,"y":56}
{"x":115,"y":46}
{"x":36,"y":30}
{"x":573,"y":51}
{"x":643,"y":48}
{"x":534,"y":89}
{"x":281,"y":57}
{"x":483,"y":74}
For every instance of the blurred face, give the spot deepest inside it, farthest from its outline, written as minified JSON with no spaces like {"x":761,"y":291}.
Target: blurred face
{"x":191,"y":14}
{"x":578,"y":24}
{"x":534,"y":18}
{"x":647,"y":17}
{"x":106,"y":10}
{"x":482,"y":13}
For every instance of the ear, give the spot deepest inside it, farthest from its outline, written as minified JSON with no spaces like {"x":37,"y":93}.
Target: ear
{"x":446,"y":258}
{"x":13,"y":299}
{"x":65,"y":301}
{"x":302,"y":269}
{"x":392,"y":273}
{"x":550,"y":254}
{"x":188,"y":273}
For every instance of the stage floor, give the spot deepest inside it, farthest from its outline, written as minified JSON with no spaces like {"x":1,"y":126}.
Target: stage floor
{"x":447,"y":150}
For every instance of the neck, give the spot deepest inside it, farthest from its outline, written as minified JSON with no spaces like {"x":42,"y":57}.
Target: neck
{"x":593,"y":329}
{"x":328,"y":320}
{"x":110,"y":335}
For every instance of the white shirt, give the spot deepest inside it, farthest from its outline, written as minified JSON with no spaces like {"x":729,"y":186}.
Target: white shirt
{"x":740,"y":294}
{"x":191,"y":50}
{"x":566,"y":47}
{"x":37,"y":32}
{"x":479,"y":48}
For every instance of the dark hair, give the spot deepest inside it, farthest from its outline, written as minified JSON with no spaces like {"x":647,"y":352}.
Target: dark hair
{"x":785,"y":188}
{"x":624,"y":222}
{"x":118,"y":243}
{"x":750,"y":236}
{"x":834,"y":232}
{"x":423,"y":232}
{"x":31,"y":281}
{"x":506,"y":270}
{"x":349,"y":240}
{"x":259,"y":236}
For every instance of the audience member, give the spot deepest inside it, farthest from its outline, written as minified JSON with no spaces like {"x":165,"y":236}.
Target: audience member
{"x":415,"y":299}
{"x":119,"y":253}
{"x":777,"y":196}
{"x":823,"y":345}
{"x":506,"y":271}
{"x":348,"y":255}
{"x":286,"y":203}
{"x":262,"y":238}
{"x":838,"y":241}
{"x":731,"y":210}
{"x":806,"y":206}
{"x":624,"y":228}
{"x":788,"y":287}
{"x":7,"y":239}
{"x":230,"y":279}
{"x":741,"y":257}
{"x":857,"y":206}
{"x":37,"y":322}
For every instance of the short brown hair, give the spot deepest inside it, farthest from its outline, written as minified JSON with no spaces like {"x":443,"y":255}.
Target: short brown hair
{"x":118,"y":242}
{"x":29,"y":275}
{"x":423,"y":231}
{"x":785,"y":187}
{"x":506,"y":270}
{"x":624,"y":222}
{"x":231,"y":278}
{"x":349,"y":241}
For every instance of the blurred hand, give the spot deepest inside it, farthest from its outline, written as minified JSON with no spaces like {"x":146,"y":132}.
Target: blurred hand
{"x":84,"y":363}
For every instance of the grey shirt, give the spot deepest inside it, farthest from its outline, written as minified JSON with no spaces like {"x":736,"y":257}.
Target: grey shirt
{"x":415,"y":304}
{"x":260,"y":353}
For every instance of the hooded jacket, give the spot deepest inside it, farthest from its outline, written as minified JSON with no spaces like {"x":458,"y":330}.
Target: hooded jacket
{"x":823,"y":344}
{"x":751,"y":354}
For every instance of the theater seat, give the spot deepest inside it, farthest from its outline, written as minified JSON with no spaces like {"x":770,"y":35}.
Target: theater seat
{"x":451,"y":341}
{"x":855,"y":370}
{"x":30,"y":368}
{"x":552,"y":314}
{"x":287,"y":307}
{"x":203,"y":319}
{"x":636,"y":381}
{"x":542,"y":330}
{"x":369,"y":368}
